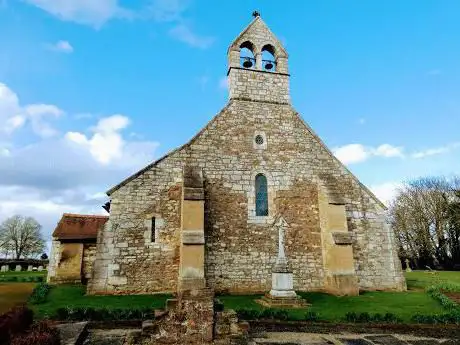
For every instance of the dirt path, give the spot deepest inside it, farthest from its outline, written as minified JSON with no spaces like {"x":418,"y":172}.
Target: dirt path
{"x":12,"y":294}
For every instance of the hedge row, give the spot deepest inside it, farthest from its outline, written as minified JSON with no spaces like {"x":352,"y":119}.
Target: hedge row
{"x":40,"y":293}
{"x":274,"y":314}
{"x":372,"y":318}
{"x":447,"y":318}
{"x":101,"y":314}
{"x":19,"y":279}
{"x":352,"y":317}
{"x":436,"y":291}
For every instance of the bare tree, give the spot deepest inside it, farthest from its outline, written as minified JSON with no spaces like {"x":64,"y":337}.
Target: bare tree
{"x":22,"y":236}
{"x":424,"y":217}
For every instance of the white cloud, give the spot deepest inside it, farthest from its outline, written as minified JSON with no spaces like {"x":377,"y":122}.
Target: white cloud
{"x":37,"y":113}
{"x":63,"y":174}
{"x":14,"y":116}
{"x":352,"y":153}
{"x":11,"y":117}
{"x":98,"y":12}
{"x":57,"y":174}
{"x":355,"y":153}
{"x":13,"y":123}
{"x":106,"y":144}
{"x":88,"y":12}
{"x":387,"y":191}
{"x":167,"y":10}
{"x":47,"y":209}
{"x":387,"y":150}
{"x":435,"y":151}
{"x":223,"y":83}
{"x":61,"y":46}
{"x":184,"y":33}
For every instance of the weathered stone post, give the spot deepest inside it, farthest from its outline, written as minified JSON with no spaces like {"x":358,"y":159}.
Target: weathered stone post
{"x":29,"y":268}
{"x":18,"y":268}
{"x":5,"y":268}
{"x":408,"y":269}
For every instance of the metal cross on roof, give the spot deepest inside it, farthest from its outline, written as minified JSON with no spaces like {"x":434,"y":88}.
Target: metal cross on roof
{"x":256,"y":14}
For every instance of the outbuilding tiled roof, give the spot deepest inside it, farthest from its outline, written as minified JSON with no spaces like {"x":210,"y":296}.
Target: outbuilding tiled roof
{"x":79,"y":226}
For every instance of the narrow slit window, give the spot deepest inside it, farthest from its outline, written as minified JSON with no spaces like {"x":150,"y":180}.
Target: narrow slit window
{"x":261,"y":195}
{"x":152,"y":230}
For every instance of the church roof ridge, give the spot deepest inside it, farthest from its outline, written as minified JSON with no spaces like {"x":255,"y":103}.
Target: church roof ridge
{"x":321,"y":142}
{"x":84,"y":215}
{"x":79,"y":227}
{"x":169,"y":153}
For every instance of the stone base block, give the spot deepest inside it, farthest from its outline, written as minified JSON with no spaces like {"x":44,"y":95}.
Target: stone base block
{"x":271,"y":301}
{"x":342,"y":284}
{"x":191,"y":284}
{"x":282,"y":294}
{"x":282,"y":284}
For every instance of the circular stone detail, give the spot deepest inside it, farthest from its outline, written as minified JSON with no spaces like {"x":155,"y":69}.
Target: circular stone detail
{"x":259,"y":139}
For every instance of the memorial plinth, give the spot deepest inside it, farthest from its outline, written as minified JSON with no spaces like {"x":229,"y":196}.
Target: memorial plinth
{"x":282,"y":293}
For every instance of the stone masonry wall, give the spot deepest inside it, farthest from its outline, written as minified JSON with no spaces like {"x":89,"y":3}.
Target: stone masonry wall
{"x":128,"y":261}
{"x":89,"y":255}
{"x":256,"y":85}
{"x":55,"y":256}
{"x":240,"y":247}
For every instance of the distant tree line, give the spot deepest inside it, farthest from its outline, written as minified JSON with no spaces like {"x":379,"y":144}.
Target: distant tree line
{"x":425,"y":216}
{"x":21,"y":237}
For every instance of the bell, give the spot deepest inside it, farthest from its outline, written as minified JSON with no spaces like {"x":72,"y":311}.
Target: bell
{"x":268,"y":66}
{"x":247,"y":63}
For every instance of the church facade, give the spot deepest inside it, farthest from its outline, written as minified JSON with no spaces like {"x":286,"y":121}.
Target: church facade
{"x":204,"y":214}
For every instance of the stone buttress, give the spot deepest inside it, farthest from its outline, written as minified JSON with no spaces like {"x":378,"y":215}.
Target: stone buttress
{"x":191,"y":271}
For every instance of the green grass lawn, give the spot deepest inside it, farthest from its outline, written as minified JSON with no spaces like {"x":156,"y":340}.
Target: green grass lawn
{"x":73,"y":296}
{"x":421,"y":279}
{"x":333,"y":308}
{"x":328,"y":307}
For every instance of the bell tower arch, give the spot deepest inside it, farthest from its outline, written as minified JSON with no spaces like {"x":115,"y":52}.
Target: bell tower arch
{"x":258,"y":65}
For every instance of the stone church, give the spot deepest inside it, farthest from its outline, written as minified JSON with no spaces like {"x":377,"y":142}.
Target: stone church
{"x":203,"y":215}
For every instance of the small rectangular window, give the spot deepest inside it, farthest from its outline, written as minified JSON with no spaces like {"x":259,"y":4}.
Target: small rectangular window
{"x":152,"y":233}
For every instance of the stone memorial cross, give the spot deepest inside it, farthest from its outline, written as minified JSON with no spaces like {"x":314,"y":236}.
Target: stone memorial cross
{"x":282,"y":282}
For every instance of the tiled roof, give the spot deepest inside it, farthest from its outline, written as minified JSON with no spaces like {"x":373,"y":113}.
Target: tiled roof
{"x":79,"y":226}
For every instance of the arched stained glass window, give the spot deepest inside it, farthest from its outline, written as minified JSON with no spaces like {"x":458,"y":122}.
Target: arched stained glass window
{"x":261,"y":195}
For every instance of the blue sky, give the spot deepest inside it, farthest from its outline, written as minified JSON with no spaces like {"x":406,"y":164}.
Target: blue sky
{"x":92,"y":91}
